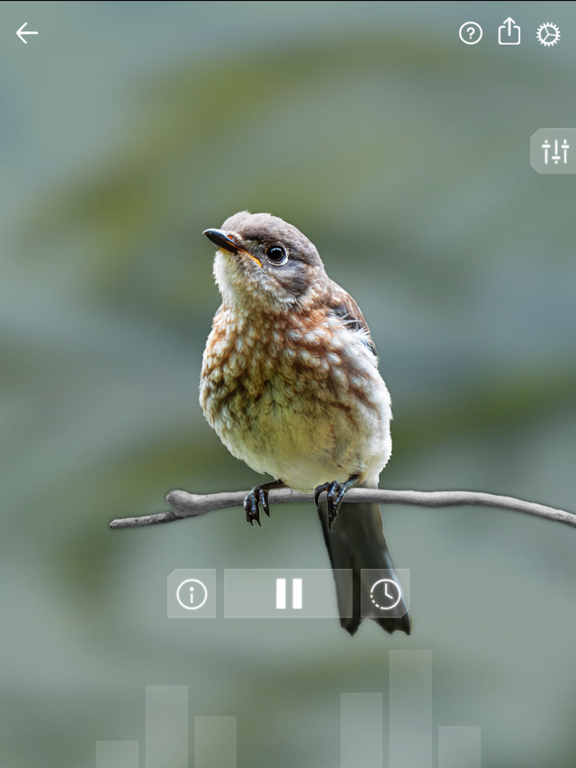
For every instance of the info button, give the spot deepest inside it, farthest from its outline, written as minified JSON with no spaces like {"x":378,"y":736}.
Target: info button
{"x":192,"y":593}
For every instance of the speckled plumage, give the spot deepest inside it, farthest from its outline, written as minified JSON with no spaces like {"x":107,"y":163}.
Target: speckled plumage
{"x":292,"y":387}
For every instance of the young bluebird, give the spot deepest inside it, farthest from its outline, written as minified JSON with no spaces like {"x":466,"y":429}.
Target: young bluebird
{"x":290,"y":383}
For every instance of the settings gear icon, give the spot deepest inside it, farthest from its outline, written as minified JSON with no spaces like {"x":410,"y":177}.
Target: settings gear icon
{"x":548,"y":34}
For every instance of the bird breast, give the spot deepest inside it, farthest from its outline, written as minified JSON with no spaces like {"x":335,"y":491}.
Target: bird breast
{"x":292,"y":386}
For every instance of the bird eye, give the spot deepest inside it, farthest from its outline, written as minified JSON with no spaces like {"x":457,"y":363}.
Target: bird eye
{"x":277,"y":255}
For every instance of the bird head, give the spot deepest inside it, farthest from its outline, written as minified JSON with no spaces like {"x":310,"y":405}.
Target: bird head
{"x":264,"y":263}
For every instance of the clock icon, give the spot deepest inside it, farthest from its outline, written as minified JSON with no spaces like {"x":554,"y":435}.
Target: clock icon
{"x":387,"y":596}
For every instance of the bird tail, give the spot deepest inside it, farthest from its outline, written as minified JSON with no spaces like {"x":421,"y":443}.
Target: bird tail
{"x":357,"y":543}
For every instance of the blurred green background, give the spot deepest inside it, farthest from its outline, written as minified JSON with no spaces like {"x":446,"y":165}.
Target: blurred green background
{"x":128,"y":128}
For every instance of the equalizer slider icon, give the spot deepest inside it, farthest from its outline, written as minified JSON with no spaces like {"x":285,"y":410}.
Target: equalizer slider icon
{"x":296,"y":593}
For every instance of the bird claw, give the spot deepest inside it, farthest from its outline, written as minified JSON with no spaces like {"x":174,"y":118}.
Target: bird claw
{"x":335,"y":493}
{"x":258,"y":497}
{"x":319,"y":491}
{"x":252,"y":507}
{"x":263,"y":498}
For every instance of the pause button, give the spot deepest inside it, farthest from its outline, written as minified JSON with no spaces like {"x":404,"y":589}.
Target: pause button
{"x":296,"y":594}
{"x":278,"y":593}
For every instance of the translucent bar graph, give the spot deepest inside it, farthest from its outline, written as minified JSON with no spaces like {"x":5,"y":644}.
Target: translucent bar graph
{"x":361,"y":730}
{"x":166,"y":726}
{"x":214,"y":742}
{"x":117,"y":754}
{"x":410,"y":737}
{"x":459,"y":746}
{"x":361,"y":725}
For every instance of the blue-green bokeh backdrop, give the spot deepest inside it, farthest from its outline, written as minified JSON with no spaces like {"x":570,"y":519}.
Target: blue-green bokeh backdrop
{"x":128,"y":128}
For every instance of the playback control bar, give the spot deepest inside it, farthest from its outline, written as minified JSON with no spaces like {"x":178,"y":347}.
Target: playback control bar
{"x":286,"y":593}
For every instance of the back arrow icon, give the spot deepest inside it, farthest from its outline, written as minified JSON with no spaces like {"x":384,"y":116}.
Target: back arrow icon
{"x":21,"y":32}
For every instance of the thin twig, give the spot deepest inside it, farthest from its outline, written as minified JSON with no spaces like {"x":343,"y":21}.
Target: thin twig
{"x":192,"y":505}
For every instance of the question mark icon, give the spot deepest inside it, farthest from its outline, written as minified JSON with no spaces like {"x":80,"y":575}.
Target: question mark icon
{"x":470,"y":33}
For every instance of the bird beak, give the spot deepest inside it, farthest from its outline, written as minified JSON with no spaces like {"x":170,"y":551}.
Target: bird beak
{"x":228,"y":241}
{"x":222,"y":239}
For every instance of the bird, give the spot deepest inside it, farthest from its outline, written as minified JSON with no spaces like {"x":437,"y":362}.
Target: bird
{"x":290,"y":383}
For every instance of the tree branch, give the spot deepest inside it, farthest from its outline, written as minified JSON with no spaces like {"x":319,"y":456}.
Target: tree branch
{"x":192,"y":505}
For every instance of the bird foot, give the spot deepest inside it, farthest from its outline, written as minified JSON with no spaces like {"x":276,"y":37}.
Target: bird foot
{"x":257,"y":497}
{"x":335,"y":493}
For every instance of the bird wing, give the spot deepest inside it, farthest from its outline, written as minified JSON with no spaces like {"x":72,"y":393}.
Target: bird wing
{"x":343,"y":306}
